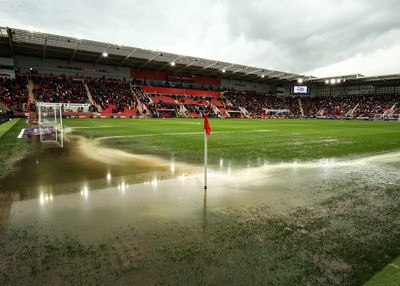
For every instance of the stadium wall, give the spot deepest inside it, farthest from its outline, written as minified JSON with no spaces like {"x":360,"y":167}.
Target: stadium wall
{"x":7,"y":67}
{"x":24,"y":64}
{"x":245,"y":85}
{"x":153,"y":76}
{"x":60,"y":67}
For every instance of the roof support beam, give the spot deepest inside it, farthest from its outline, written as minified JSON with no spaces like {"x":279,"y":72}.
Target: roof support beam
{"x":76,"y":49}
{"x":249,"y":73}
{"x":149,"y":60}
{"x":241,"y":69}
{"x":127,"y":57}
{"x":218,"y":71}
{"x":188,"y":65}
{"x":210,"y":65}
{"x":168,"y":64}
{"x":102,"y":55}
{"x":9,"y":33}
{"x":44,"y":47}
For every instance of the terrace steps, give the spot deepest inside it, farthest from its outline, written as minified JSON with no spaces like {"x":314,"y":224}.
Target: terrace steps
{"x":89,"y":95}
{"x":30,"y":90}
{"x":301,"y":107}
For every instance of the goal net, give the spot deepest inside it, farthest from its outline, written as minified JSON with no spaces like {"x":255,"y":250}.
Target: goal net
{"x":50,"y":123}
{"x":387,"y":117}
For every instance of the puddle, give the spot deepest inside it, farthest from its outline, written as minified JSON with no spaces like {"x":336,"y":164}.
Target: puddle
{"x":87,"y":190}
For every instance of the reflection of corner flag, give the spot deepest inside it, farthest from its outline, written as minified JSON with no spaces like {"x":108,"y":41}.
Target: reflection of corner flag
{"x":207,"y":127}
{"x":207,"y":131}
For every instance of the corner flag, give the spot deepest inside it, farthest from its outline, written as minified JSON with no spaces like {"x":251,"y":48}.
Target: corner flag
{"x":207,"y":127}
{"x":207,"y":131}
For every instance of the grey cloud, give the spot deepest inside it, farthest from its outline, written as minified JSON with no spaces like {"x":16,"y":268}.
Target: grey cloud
{"x":315,"y":33}
{"x":298,"y":36}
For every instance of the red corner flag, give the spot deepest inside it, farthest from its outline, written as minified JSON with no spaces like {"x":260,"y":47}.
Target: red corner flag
{"x":207,"y":127}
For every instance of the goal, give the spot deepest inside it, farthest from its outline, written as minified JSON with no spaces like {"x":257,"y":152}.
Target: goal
{"x":387,"y":117}
{"x":50,"y":124}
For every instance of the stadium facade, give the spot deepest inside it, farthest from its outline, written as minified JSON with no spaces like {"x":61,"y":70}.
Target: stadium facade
{"x":31,"y":52}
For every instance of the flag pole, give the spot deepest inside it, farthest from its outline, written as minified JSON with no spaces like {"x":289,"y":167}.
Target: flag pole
{"x":205,"y":160}
{"x":207,"y":131}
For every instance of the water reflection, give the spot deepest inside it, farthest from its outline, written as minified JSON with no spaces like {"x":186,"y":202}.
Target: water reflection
{"x":85,"y":192}
{"x":45,"y":198}
{"x":81,"y":166}
{"x":205,"y":210}
{"x":137,"y":192}
{"x":6,"y":201}
{"x":122,"y":187}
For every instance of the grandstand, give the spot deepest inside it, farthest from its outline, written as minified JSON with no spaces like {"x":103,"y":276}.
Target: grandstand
{"x":135,"y":82}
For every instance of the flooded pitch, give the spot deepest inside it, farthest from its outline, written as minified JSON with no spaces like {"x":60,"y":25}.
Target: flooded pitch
{"x":89,"y":189}
{"x":97,"y":195}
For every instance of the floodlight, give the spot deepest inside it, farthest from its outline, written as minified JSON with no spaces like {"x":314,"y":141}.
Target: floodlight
{"x":105,"y":54}
{"x":172,"y":63}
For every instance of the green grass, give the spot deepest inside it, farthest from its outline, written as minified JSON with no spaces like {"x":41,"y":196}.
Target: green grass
{"x":7,"y":126}
{"x":242,"y":142}
{"x":12,"y":149}
{"x":344,"y":239}
{"x":390,"y":276}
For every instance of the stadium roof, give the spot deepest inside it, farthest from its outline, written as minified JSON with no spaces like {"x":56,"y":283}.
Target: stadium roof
{"x":48,"y":46}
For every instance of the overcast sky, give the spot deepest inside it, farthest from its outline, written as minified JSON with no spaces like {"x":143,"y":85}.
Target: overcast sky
{"x":309,"y":37}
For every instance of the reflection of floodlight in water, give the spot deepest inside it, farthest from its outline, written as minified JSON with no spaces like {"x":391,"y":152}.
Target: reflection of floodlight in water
{"x":221,"y":163}
{"x":122,"y":187}
{"x":85,"y":192}
{"x":108,"y":177}
{"x":172,"y":168}
{"x":45,"y":198}
{"x":41,"y":199}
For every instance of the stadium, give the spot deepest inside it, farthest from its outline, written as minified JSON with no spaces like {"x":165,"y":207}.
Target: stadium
{"x":108,"y":177}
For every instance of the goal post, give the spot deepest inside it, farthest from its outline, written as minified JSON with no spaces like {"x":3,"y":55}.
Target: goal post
{"x":50,"y":123}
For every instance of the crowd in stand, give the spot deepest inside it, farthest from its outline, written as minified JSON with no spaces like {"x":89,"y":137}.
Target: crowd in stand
{"x":353,"y":106}
{"x":377,"y":104}
{"x":261,"y":104}
{"x":122,"y":96}
{"x":14,"y":92}
{"x":59,"y":89}
{"x":112,"y":92}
